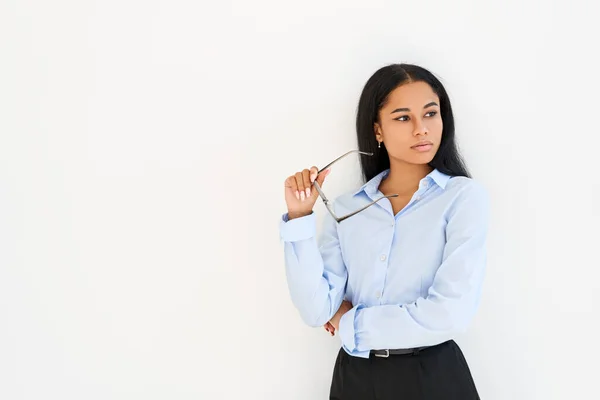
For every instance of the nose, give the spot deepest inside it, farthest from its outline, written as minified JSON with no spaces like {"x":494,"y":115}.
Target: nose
{"x":420,"y":128}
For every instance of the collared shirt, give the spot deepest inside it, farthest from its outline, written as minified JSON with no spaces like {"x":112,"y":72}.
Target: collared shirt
{"x":414,"y":278}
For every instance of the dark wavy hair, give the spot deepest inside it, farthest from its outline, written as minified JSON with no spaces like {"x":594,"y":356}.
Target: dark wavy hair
{"x":374,"y":96}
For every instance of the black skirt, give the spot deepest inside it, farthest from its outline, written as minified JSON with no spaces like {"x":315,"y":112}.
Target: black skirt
{"x":438,"y":372}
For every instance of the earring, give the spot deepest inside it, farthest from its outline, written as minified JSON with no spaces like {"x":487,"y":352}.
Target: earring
{"x":379,"y":145}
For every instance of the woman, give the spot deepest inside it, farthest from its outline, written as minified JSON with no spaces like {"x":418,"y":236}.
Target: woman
{"x":400,"y":279}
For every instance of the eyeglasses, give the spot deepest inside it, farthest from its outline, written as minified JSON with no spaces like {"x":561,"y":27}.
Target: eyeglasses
{"x":326,"y":200}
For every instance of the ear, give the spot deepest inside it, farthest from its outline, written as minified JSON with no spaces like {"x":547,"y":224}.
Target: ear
{"x":378,"y":132}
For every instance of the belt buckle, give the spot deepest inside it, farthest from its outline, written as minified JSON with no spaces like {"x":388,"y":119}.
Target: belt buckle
{"x":386,"y":355}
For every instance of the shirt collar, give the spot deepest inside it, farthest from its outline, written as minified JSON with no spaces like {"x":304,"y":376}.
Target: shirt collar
{"x":372,"y":186}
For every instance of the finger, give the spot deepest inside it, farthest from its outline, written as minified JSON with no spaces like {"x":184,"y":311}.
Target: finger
{"x":313,"y":175}
{"x":314,"y":171}
{"x":321,"y":177}
{"x":307,"y":182}
{"x":329,"y":328}
{"x":291,"y":183}
{"x":300,"y":183}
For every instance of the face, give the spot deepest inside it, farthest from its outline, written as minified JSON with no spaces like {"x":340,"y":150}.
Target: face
{"x":410,"y":124}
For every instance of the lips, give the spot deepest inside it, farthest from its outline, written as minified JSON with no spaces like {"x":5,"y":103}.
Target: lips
{"x":423,"y":146}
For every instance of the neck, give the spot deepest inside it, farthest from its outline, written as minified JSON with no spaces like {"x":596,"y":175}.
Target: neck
{"x":404,"y":178}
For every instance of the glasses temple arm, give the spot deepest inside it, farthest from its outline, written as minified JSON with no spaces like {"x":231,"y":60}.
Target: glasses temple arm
{"x":342,"y":156}
{"x":340,"y":219}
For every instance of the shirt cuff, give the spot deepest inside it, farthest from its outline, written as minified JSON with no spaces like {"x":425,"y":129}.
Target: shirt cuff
{"x":298,"y":228}
{"x":348,"y":328}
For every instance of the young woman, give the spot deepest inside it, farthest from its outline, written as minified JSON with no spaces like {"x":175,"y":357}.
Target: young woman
{"x":399,"y":279}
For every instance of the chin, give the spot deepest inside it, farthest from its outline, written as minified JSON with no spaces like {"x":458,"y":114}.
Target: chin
{"x":423,"y":159}
{"x":416,"y":159}
{"x":413,"y":161}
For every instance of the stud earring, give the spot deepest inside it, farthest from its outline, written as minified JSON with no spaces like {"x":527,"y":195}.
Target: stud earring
{"x":379,"y":145}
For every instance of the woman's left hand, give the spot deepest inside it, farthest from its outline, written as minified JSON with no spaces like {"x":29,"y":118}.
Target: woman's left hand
{"x":334,"y":323}
{"x":329,"y":328}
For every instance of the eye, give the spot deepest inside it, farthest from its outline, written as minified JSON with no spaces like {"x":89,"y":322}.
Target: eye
{"x":431,"y":113}
{"x":400,"y":118}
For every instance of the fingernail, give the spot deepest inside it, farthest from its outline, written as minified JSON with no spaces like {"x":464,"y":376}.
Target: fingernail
{"x":307,"y":192}
{"x":297,"y":195}
{"x":302,"y":196}
{"x":313,"y":177}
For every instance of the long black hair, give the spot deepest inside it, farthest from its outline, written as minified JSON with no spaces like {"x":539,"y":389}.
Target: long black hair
{"x":374,"y":96}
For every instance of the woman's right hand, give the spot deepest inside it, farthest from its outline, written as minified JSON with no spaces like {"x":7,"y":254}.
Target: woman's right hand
{"x":299,"y":194}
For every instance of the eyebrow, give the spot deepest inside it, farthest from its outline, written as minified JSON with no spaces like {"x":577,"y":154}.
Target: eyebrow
{"x":433,"y":103}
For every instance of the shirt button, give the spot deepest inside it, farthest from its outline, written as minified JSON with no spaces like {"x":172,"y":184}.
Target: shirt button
{"x":382,"y":258}
{"x":378,"y":294}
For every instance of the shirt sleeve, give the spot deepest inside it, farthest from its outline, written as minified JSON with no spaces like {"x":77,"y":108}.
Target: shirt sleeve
{"x":452,"y":299}
{"x":315,"y":271}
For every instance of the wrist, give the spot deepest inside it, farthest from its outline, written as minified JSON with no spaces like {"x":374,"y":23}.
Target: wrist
{"x":298,"y":214}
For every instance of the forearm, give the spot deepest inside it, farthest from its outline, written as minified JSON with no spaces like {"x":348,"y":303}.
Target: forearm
{"x":315,"y":271}
{"x":315,"y":293}
{"x":404,"y":326}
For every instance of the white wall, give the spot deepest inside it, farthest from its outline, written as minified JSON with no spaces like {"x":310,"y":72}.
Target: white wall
{"x":143,"y":148}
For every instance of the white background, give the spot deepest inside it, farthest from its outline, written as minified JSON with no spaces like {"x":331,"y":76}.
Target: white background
{"x":143,"y":149}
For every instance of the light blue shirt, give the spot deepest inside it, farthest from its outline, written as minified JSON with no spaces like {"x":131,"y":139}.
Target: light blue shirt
{"x":414,"y":278}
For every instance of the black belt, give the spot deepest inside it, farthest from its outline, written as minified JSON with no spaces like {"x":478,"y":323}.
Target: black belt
{"x":396,"y":352}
